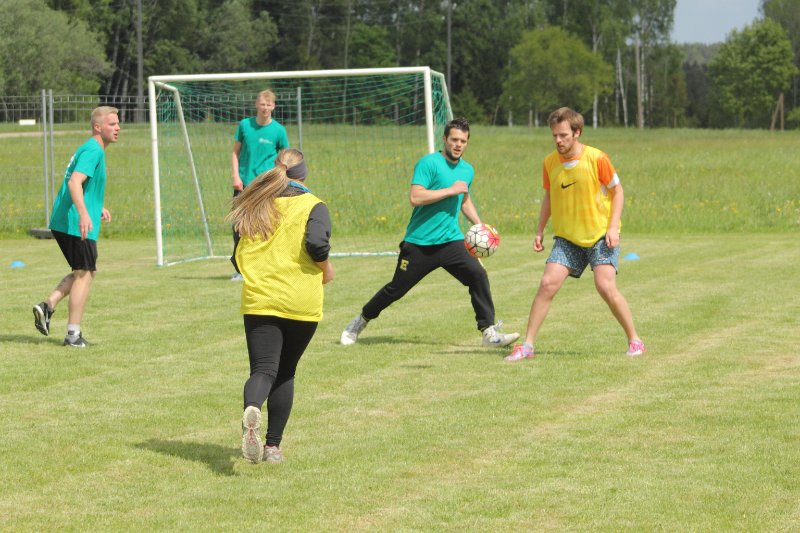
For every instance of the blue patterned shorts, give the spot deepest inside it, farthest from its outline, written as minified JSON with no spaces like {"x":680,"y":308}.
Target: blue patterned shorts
{"x":575,"y":257}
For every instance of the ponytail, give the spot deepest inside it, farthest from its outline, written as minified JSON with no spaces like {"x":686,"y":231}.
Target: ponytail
{"x":253,"y":212}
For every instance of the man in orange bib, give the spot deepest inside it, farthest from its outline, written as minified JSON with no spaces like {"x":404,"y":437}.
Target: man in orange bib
{"x":583,"y":196}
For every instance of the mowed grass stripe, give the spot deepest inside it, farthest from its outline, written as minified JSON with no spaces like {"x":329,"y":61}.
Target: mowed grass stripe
{"x":416,"y":428}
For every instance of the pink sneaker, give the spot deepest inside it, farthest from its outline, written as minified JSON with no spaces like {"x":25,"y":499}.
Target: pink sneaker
{"x":272,"y":454}
{"x":635,"y":347}
{"x":521,"y":351}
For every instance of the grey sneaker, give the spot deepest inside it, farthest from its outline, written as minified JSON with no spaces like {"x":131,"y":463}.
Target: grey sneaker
{"x":272,"y":454}
{"x":351,"y":332}
{"x":251,"y":438}
{"x":493,"y":337}
{"x":80,"y":342}
{"x":41,"y":317}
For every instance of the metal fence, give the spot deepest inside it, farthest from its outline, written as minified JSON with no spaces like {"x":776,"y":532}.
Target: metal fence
{"x":68,"y":108}
{"x":37,"y":135}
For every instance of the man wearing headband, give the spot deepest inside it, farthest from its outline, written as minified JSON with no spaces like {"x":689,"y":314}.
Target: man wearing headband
{"x":439,"y":190}
{"x":257,"y":142}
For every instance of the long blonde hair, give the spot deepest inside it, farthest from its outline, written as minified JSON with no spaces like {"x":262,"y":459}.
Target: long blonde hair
{"x":253,"y":212}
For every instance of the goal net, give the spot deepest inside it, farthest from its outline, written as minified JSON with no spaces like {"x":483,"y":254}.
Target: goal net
{"x":361,"y":132}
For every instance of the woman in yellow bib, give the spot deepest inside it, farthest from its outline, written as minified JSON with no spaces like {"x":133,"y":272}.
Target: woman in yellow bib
{"x":283,"y":257}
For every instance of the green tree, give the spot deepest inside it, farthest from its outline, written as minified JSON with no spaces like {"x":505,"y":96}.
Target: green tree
{"x":552,"y":68}
{"x":604,"y":26}
{"x":670,"y":100}
{"x":752,"y":68}
{"x":40,"y":48}
{"x":371,"y":47}
{"x":238,"y":41}
{"x":787,"y":14}
{"x":483,"y":33}
{"x":652,"y":24}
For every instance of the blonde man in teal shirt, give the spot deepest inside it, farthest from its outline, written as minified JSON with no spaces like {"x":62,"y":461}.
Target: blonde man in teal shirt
{"x":78,"y":211}
{"x":439,"y":191}
{"x":257,"y":142}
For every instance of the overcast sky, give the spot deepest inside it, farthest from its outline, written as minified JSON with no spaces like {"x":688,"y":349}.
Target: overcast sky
{"x":709,"y":21}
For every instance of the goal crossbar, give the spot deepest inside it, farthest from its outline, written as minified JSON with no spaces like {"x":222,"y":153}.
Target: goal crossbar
{"x":165,"y":83}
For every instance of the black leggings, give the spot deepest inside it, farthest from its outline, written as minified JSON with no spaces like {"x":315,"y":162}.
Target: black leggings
{"x":275,"y":346}
{"x":415,"y":262}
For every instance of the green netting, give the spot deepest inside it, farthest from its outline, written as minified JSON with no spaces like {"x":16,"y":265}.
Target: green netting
{"x":361,"y":136}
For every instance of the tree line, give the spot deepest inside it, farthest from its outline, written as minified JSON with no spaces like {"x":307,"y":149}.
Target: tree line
{"x":506,"y":61}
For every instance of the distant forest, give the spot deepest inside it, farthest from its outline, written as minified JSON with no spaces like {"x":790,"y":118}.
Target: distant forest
{"x":505,"y":61}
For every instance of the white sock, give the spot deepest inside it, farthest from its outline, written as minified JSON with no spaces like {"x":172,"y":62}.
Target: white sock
{"x":73,"y":331}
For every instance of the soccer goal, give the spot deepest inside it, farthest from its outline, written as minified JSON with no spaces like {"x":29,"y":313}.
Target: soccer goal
{"x":360,"y":130}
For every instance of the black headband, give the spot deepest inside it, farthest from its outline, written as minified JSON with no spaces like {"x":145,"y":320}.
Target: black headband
{"x":298,"y":172}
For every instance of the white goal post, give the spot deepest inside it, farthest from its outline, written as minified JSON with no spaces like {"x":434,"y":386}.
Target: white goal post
{"x":360,"y":129}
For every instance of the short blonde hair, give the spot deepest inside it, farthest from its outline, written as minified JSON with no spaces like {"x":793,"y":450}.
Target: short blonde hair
{"x":266,"y":95}
{"x":99,"y":113}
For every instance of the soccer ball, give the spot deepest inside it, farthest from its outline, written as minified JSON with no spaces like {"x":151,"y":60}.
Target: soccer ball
{"x":481,"y":240}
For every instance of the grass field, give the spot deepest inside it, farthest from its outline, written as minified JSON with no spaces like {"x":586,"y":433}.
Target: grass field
{"x":416,"y":427}
{"x":676,"y":181}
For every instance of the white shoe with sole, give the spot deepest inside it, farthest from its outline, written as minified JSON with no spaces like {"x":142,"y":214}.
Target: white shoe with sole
{"x":353,"y":329}
{"x":493,"y":337}
{"x":252,"y":449}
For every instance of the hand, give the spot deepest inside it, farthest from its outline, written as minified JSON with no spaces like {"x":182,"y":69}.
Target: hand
{"x":105,"y":215}
{"x":327,"y":273}
{"x":612,"y":237}
{"x":238,"y":185}
{"x":84,"y":225}
{"x":537,"y":243}
{"x":459,"y":187}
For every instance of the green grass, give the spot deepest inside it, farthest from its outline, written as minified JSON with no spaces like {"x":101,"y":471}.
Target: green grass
{"x":415,"y":428}
{"x":676,"y":181}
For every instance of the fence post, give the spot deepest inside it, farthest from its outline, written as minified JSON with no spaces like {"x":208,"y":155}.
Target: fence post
{"x":52,"y":141}
{"x":45,"y":168}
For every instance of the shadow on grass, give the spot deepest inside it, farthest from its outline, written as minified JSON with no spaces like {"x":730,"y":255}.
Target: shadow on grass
{"x":55,"y":340}
{"x":379,"y":340}
{"x":220,"y":459}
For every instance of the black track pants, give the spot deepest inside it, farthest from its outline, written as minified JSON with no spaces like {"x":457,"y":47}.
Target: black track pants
{"x":415,"y":262}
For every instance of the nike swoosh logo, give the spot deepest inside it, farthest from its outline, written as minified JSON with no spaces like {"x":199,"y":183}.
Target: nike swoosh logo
{"x":568,"y":185}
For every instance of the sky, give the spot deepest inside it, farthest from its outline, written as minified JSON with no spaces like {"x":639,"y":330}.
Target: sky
{"x":710,"y":21}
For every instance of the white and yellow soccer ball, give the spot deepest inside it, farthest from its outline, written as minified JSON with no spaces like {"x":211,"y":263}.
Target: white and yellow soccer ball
{"x":481,"y":240}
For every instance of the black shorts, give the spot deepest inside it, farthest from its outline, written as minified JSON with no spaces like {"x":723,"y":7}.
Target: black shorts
{"x":81,"y":255}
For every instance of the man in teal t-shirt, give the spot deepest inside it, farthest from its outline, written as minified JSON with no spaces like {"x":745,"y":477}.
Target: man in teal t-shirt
{"x":257,"y":142}
{"x":439,"y":190}
{"x":78,"y":211}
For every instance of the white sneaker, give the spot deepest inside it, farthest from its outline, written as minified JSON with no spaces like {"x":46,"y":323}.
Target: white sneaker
{"x":493,"y":337}
{"x":350,"y":333}
{"x":251,"y":438}
{"x":237,"y":277}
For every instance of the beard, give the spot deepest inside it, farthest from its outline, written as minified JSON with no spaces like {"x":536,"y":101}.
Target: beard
{"x":450,"y":155}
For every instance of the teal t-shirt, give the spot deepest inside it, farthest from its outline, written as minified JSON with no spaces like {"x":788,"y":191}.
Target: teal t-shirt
{"x":437,"y":223}
{"x":89,"y":159}
{"x":260,"y":146}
